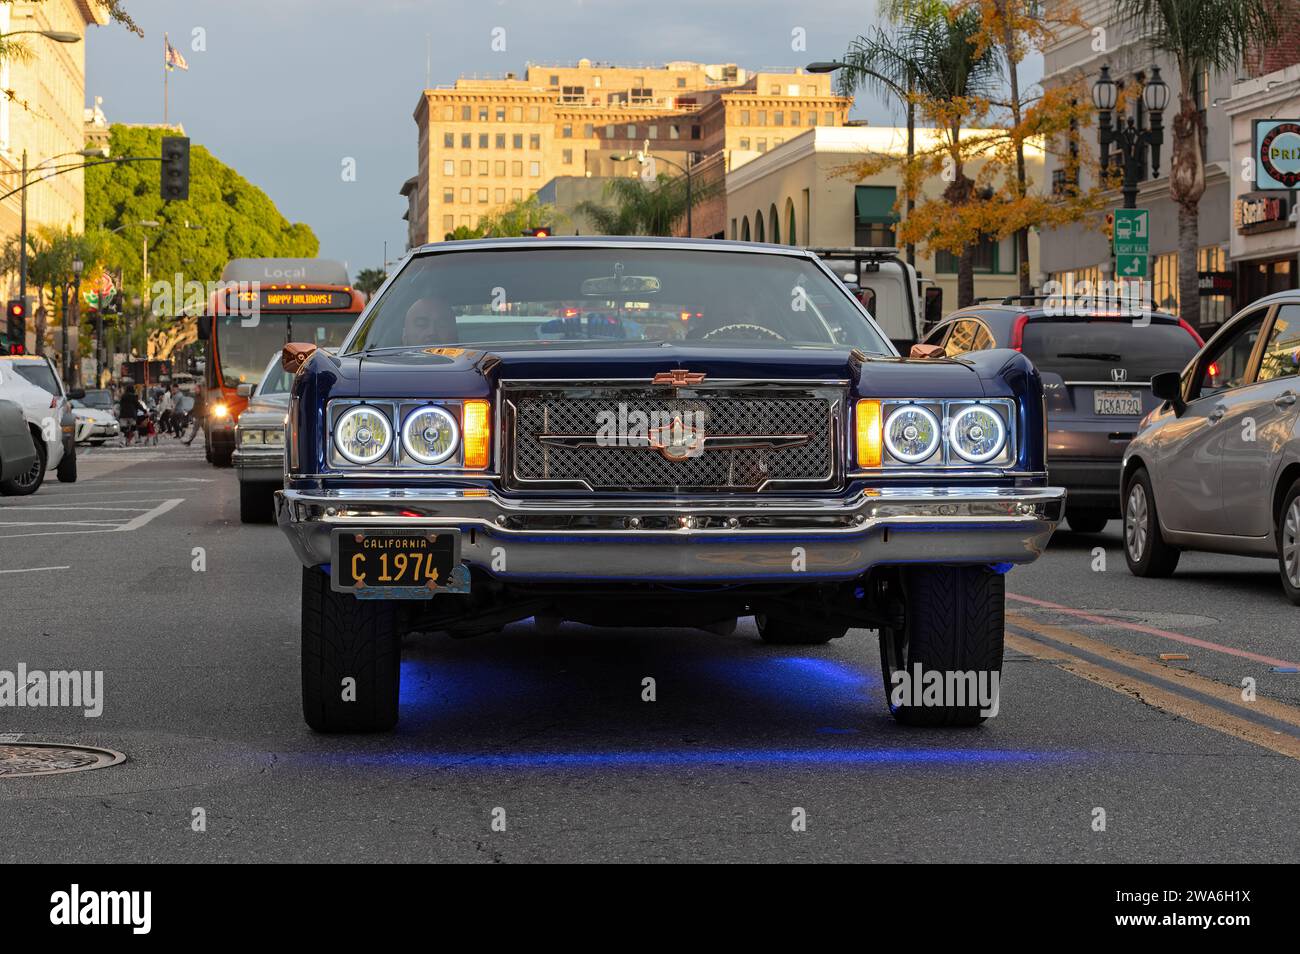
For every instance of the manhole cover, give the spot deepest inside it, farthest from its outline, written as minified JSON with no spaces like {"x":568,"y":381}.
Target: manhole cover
{"x":49,"y":758}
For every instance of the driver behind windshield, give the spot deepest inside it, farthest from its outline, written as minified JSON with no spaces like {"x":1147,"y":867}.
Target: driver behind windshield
{"x":747,"y":316}
{"x":429,"y":321}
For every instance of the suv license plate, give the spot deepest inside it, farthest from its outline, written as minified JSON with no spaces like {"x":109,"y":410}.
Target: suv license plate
{"x":1117,"y":402}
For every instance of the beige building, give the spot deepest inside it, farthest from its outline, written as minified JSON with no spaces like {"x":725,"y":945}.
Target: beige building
{"x":486,"y":142}
{"x":799,"y":194}
{"x":43,"y":112}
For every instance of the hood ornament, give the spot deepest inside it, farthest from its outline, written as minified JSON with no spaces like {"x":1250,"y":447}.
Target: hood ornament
{"x":678,"y":377}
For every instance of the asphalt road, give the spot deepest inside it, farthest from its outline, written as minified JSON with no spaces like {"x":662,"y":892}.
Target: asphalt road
{"x":551,"y":733}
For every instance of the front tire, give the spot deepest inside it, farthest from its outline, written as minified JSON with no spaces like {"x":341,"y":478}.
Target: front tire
{"x":1288,"y":543}
{"x":256,"y":502}
{"x":1145,"y":548}
{"x":952,"y":623}
{"x":780,"y":631}
{"x":29,"y":482}
{"x":351,"y":655}
{"x":67,"y":469}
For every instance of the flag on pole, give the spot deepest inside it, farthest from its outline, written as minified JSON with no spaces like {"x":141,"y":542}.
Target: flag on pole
{"x":172,"y":58}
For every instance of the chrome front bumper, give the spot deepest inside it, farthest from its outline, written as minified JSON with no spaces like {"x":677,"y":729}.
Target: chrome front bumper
{"x":696,"y":538}
{"x":259,"y":466}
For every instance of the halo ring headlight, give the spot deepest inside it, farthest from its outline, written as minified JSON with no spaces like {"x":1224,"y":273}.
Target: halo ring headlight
{"x":430,"y":434}
{"x":363,"y":435}
{"x":912,"y":433}
{"x":977,"y":434}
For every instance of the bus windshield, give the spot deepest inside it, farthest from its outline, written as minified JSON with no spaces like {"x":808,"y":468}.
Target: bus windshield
{"x":242,"y":351}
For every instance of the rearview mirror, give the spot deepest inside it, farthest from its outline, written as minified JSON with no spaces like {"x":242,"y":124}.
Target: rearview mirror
{"x":621,"y":284}
{"x":295,"y":355}
{"x":1168,"y":386}
{"x":244,"y":390}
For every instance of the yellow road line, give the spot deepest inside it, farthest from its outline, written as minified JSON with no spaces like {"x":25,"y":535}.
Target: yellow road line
{"x":1180,"y":677}
{"x":1153,"y":694}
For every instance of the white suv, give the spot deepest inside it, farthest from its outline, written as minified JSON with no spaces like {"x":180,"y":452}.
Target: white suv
{"x":31,"y":382}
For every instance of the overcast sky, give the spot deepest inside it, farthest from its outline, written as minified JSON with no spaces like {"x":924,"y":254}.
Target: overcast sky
{"x":287,"y":90}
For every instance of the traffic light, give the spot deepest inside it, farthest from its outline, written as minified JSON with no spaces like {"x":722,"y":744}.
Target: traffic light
{"x":542,"y":231}
{"x":175,"y":168}
{"x":16,"y":325}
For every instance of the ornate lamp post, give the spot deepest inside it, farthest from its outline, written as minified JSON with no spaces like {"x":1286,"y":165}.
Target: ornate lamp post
{"x":1130,"y":140}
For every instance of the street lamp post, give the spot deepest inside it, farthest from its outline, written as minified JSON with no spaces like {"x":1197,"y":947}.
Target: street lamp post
{"x":1130,"y":140}
{"x":72,"y":318}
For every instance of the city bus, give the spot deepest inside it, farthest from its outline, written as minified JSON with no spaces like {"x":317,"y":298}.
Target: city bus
{"x":261,"y":304}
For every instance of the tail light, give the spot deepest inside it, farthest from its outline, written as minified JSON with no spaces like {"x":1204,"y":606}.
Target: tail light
{"x":1018,"y":332}
{"x":476,"y":429}
{"x":1200,"y":342}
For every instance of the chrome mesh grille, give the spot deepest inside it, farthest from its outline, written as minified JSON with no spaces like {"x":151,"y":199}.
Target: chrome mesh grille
{"x":538,"y":412}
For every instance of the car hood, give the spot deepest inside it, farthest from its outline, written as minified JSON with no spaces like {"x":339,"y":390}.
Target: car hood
{"x":264,"y":412}
{"x":469,"y":372}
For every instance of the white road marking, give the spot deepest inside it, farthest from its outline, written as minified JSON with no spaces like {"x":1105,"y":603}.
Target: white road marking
{"x":37,"y":569}
{"x":135,"y":523}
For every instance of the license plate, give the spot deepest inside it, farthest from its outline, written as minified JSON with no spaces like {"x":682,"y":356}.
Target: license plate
{"x":1117,"y":402}
{"x":394,"y":560}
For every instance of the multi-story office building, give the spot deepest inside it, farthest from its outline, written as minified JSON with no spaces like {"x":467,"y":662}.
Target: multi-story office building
{"x":486,"y":142}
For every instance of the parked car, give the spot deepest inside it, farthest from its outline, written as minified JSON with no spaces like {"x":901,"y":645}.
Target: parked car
{"x":18,"y":457}
{"x":1217,"y":466}
{"x":95,"y":425}
{"x":1096,"y":372}
{"x":32,"y":382}
{"x":258,"y":457}
{"x":766,"y":453}
{"x":101,"y":399}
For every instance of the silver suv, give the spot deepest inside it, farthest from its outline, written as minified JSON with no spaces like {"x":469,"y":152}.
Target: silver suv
{"x":1217,"y":466}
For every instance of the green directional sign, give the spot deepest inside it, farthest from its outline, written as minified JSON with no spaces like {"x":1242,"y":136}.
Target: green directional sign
{"x":1130,"y":266}
{"x":1132,"y":235}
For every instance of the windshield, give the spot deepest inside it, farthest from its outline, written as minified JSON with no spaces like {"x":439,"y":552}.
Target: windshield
{"x":37,"y":373}
{"x":98,"y":397}
{"x":276,"y":382}
{"x":1088,"y":350}
{"x":540,"y":297}
{"x":242,"y":351}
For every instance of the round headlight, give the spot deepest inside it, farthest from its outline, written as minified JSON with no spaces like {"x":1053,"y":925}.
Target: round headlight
{"x":977,"y":433}
{"x":430,"y":435}
{"x":363,"y":435}
{"x":912,"y":433}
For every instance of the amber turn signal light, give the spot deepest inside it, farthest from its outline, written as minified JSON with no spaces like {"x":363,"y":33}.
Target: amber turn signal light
{"x":477,"y":433}
{"x":870,"y":433}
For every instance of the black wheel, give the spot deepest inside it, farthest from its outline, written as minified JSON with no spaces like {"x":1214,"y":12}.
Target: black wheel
{"x":67,"y":469}
{"x":97,"y":443}
{"x":222,"y":455}
{"x":953,"y":623}
{"x":1288,"y":543}
{"x":1145,"y":549}
{"x":30,"y":481}
{"x":256,"y":502}
{"x":351,"y":655}
{"x":1087,"y":521}
{"x":782,"y":631}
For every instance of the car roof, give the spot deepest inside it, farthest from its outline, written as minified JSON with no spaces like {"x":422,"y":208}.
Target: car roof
{"x":1040,"y":311}
{"x":616,"y":241}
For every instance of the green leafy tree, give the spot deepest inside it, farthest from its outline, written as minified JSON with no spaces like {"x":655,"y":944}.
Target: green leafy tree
{"x":1200,"y":35}
{"x":518,"y":217}
{"x":463,"y":232}
{"x":640,"y":208}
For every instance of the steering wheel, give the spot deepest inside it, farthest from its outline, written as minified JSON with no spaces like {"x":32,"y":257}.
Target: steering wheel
{"x":747,"y":331}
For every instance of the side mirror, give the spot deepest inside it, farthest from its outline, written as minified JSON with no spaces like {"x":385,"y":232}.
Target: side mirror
{"x":1168,"y":386}
{"x":77,"y":394}
{"x":205,"y":327}
{"x":295,"y":355}
{"x":925,"y":351}
{"x":245,"y":390}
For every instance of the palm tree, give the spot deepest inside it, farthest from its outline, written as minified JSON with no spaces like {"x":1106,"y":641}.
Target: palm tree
{"x":1200,"y":36}
{"x":871,"y":63}
{"x":933,"y":53}
{"x":643,"y":209}
{"x":369,"y":279}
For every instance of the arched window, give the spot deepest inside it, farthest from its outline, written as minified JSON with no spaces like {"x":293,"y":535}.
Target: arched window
{"x":791,"y":235}
{"x":758,"y":227}
{"x":744,"y":229}
{"x":775,"y":223}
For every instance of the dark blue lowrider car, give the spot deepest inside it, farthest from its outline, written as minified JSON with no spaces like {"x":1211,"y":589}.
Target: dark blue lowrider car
{"x":650,"y":432}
